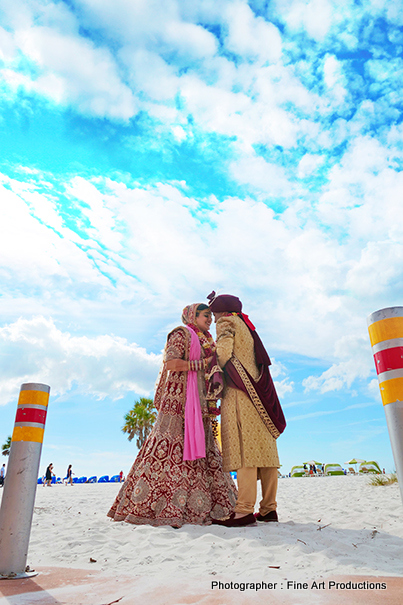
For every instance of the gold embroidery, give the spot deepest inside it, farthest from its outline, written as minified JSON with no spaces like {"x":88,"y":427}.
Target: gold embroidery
{"x":254,"y":397}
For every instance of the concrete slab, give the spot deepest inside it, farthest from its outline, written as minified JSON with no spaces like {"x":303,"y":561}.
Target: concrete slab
{"x":67,"y":586}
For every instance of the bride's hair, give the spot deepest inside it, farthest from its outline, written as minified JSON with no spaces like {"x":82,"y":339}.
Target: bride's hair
{"x":201,"y":307}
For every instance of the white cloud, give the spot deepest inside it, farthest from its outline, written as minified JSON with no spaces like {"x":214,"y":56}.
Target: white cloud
{"x":216,"y":109}
{"x":334,"y":78}
{"x":74,"y":70}
{"x":35,"y":350}
{"x":250,"y":36}
{"x":7,"y":45}
{"x":258,"y":173}
{"x":356,"y":364}
{"x":35,"y":247}
{"x":158,"y":53}
{"x":149,"y":73}
{"x":189,"y":39}
{"x":179,"y":133}
{"x":99,"y":211}
{"x":320,"y":266}
{"x":315,"y":16}
{"x":309,"y":163}
{"x":151,"y":25}
{"x":283,"y":387}
{"x":137,"y":239}
{"x":358,"y":187}
{"x":379,"y":266}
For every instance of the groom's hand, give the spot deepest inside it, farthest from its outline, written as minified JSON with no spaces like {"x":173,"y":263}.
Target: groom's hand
{"x":177,"y":365}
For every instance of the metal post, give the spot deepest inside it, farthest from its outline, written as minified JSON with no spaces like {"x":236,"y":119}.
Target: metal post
{"x":17,"y":506}
{"x":385,"y":329}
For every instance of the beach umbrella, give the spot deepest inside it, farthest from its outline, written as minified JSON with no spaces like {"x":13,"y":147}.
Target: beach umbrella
{"x":355,"y":461}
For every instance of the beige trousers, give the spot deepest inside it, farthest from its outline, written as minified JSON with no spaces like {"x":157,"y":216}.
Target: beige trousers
{"x":247,"y":489}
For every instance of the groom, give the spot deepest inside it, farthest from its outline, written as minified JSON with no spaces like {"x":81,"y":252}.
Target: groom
{"x":251,"y":415}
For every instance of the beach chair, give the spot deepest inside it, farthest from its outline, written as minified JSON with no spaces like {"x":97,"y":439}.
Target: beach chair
{"x":92,"y":479}
{"x":104,"y":479}
{"x":114,"y":479}
{"x":351,"y":471}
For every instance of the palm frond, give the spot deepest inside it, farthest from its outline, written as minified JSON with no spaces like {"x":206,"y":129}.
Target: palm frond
{"x":5,"y":448}
{"x":140,"y":420}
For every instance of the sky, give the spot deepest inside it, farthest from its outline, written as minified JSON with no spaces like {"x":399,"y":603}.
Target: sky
{"x":152,"y":151}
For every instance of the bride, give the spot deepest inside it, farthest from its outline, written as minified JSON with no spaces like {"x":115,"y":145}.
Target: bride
{"x":177,"y":476}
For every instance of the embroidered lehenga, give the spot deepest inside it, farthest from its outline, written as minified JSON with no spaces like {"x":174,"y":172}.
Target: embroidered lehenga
{"x":162,"y":488}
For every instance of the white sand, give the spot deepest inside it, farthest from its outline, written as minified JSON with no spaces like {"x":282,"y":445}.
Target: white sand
{"x":363,"y":535}
{"x":330,"y":527}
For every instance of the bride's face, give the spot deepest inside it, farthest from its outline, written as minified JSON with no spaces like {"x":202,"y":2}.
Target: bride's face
{"x":203,"y":320}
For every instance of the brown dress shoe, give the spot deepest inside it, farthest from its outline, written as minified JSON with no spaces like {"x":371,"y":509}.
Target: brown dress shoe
{"x":271,"y":516}
{"x":232,"y":522}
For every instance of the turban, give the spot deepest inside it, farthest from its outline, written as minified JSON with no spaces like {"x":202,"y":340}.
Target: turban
{"x":224,"y":303}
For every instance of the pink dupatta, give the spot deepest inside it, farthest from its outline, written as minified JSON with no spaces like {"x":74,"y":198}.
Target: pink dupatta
{"x":194,"y":443}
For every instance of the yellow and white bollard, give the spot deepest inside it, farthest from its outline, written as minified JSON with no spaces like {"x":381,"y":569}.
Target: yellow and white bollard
{"x":385,"y":329}
{"x":17,"y":505}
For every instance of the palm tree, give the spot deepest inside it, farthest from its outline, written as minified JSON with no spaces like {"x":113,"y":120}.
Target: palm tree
{"x":6,"y":447}
{"x":139,"y":420}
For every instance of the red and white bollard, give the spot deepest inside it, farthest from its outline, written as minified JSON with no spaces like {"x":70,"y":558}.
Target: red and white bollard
{"x":385,"y":329}
{"x":17,"y":505}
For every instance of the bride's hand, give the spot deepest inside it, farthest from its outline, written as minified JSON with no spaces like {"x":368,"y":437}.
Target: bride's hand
{"x":177,"y":365}
{"x":208,"y":361}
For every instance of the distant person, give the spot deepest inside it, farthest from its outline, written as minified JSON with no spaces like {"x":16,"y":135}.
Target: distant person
{"x":69,"y":475}
{"x":121,"y":478}
{"x":48,"y":475}
{"x":314,"y":468}
{"x":2,"y":475}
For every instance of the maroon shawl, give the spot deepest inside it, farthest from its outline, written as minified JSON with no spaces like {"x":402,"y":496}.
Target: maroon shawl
{"x":262,"y":391}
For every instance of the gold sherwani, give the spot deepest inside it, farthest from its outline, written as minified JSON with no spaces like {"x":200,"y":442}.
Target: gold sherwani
{"x":246,"y":442}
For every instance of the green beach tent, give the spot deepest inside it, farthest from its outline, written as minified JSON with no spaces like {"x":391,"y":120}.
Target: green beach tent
{"x":297,"y":471}
{"x":370,"y":467}
{"x":333,"y":469}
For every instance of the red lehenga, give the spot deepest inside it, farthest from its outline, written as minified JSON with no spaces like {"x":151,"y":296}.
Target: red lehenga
{"x":161,"y":488}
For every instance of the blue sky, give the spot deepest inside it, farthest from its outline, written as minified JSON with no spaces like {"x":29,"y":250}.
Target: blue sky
{"x":153,"y":151}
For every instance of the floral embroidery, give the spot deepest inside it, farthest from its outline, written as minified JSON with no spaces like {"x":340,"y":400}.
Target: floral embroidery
{"x":162,"y":489}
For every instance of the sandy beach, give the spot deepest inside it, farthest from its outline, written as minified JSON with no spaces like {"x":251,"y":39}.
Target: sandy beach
{"x":329,"y":527}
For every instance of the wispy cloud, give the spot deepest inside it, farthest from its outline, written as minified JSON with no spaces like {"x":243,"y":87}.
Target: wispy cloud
{"x":319,"y":413}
